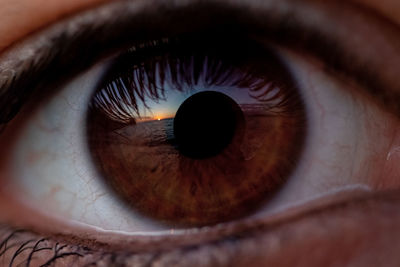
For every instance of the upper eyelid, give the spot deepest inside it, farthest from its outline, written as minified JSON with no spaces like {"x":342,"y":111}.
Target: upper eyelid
{"x":28,"y":65}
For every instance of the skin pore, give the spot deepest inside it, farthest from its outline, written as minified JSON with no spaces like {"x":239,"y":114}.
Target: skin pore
{"x":358,"y":232}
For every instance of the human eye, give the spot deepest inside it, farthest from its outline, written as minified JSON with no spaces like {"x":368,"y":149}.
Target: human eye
{"x":311,"y":153}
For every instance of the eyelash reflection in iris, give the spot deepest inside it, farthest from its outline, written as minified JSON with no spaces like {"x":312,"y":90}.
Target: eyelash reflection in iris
{"x":195,"y":132}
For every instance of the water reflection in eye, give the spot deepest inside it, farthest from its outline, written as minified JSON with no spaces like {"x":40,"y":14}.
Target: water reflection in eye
{"x":193,"y":133}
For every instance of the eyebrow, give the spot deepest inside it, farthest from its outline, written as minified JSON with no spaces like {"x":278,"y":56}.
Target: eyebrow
{"x":48,"y":59}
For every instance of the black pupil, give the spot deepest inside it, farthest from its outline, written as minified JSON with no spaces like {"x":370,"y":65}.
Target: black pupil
{"x":205,"y":124}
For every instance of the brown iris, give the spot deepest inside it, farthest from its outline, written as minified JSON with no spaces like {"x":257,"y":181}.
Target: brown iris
{"x":192,"y":134}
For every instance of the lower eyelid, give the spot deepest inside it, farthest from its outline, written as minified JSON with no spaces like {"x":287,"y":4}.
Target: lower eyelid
{"x":100,"y":240}
{"x":276,"y":244}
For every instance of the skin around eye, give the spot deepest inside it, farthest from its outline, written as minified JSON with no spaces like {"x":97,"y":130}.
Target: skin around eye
{"x":18,"y":20}
{"x":363,"y":170}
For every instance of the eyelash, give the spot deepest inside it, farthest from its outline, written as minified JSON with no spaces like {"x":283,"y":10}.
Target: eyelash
{"x":23,"y":247}
{"x":26,"y":245}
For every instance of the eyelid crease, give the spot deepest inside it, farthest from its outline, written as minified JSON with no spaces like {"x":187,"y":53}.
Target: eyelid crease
{"x":45,"y":59}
